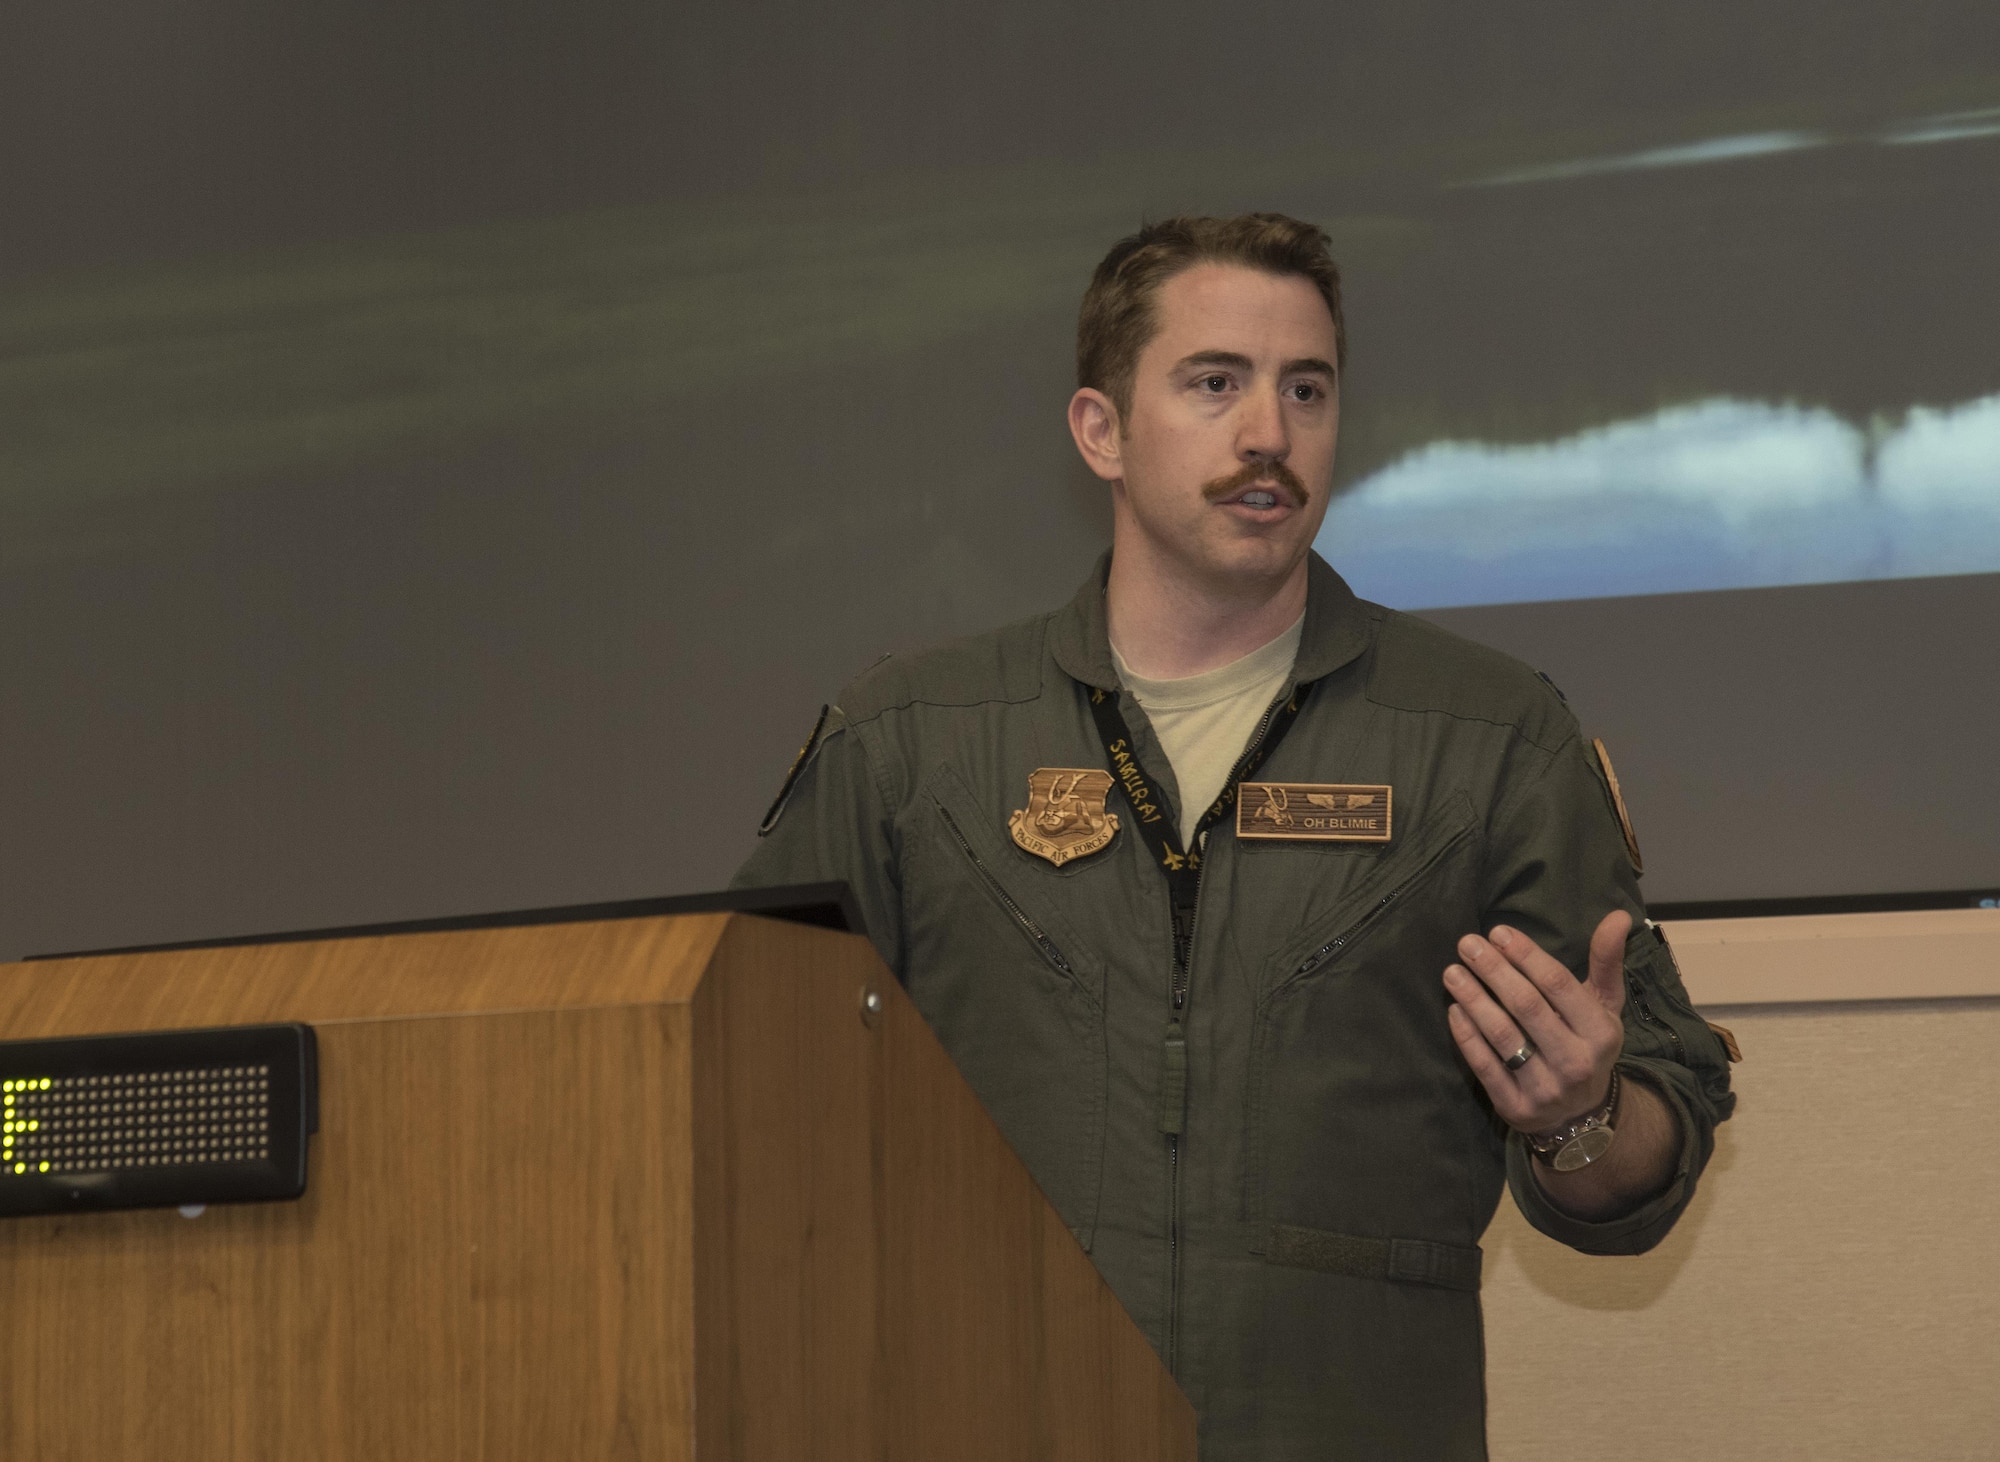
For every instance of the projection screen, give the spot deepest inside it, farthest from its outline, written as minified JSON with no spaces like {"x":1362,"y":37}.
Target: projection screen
{"x":448,"y":455}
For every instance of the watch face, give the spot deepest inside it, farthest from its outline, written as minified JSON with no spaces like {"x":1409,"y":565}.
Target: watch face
{"x":1585,"y":1147}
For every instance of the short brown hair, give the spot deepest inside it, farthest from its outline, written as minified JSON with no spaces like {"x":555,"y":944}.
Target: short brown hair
{"x":1118,"y":321}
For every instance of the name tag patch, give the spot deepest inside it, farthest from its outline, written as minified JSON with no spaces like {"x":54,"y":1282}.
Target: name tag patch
{"x":1320,"y":812}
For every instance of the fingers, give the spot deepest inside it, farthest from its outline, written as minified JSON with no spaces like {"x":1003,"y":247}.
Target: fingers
{"x":1507,"y":1097}
{"x":1558,"y":1061}
{"x":1537,"y":991}
{"x":1607,"y":960}
{"x":1499,"y":1030}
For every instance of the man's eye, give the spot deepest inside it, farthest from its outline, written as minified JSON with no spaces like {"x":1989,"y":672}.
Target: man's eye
{"x":1215,"y":383}
{"x":1305,"y":391}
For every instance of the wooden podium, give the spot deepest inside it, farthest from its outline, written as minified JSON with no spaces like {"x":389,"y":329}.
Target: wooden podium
{"x":649,"y":1188}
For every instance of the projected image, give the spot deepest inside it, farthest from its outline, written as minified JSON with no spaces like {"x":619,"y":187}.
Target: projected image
{"x":1721,"y":494}
{"x":1833,"y":452}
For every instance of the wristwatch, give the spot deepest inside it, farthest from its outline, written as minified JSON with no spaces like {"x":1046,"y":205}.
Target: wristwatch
{"x":1583,"y":1141}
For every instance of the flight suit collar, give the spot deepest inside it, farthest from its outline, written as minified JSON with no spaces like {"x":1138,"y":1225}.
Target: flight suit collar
{"x":1336,"y":631}
{"x":1338,"y":625}
{"x":1080,"y":634}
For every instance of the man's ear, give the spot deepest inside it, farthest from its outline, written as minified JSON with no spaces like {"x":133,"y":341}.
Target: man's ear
{"x":1093,"y":423}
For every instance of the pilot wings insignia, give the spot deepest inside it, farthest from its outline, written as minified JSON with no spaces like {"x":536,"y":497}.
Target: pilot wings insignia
{"x":1341,"y":803}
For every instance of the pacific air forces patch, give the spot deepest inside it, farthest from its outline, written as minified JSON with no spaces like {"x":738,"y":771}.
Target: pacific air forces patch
{"x":1065,"y":817}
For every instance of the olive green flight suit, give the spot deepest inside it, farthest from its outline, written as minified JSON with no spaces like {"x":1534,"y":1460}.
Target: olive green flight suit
{"x":1304,"y":1253}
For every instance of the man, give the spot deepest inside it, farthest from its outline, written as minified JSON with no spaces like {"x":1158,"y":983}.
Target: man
{"x":1250,"y":909}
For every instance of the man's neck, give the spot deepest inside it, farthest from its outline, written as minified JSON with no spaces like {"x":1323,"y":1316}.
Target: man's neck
{"x":1169,"y":623}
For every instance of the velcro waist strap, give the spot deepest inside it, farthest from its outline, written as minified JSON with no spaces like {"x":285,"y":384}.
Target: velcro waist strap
{"x":1407,"y":1261}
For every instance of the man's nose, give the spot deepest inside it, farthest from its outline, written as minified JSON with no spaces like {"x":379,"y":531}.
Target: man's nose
{"x":1261,"y":430}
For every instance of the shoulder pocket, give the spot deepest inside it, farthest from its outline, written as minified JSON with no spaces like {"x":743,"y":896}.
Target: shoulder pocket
{"x":1661,"y":1021}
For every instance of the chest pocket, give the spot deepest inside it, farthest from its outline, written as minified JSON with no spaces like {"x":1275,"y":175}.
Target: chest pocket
{"x":1360,"y":1116}
{"x":1012,"y":990}
{"x":1417,"y":876}
{"x":968,"y":847}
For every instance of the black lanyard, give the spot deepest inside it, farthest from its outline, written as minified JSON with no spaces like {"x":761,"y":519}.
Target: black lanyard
{"x":1182,"y":866}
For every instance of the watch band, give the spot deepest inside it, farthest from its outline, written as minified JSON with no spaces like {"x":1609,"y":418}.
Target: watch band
{"x":1581,"y":1142}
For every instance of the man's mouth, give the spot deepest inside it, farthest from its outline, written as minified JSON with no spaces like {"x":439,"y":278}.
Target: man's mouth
{"x":1261,"y":484}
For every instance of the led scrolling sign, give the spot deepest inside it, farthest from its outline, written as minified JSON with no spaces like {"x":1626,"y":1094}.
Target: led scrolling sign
{"x":156,"y":1119}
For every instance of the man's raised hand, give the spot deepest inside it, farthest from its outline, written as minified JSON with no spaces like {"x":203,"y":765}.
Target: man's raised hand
{"x":1509,"y":997}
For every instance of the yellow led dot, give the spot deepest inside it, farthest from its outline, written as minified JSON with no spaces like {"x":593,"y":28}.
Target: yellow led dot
{"x":34,"y":1126}
{"x":45,"y":1167}
{"x":20,"y":1167}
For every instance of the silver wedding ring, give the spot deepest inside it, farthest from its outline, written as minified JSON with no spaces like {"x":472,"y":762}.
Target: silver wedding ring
{"x":1521,"y":1057}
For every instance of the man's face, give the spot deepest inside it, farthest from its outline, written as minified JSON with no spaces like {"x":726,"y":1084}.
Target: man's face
{"x":1225,"y":458}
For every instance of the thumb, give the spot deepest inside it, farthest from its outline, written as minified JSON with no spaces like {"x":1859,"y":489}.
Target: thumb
{"x":1607,"y":959}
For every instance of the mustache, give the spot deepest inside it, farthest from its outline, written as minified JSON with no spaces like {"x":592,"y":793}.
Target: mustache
{"x":1250,"y":474}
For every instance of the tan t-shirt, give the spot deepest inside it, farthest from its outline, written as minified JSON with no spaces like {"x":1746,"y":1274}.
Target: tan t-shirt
{"x":1204,"y":721}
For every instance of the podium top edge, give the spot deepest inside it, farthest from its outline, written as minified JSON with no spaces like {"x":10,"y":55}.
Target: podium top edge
{"x":826,"y":905}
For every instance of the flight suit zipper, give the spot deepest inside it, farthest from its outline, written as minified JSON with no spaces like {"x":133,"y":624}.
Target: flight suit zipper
{"x":1020,"y":915}
{"x":1173,"y":1055}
